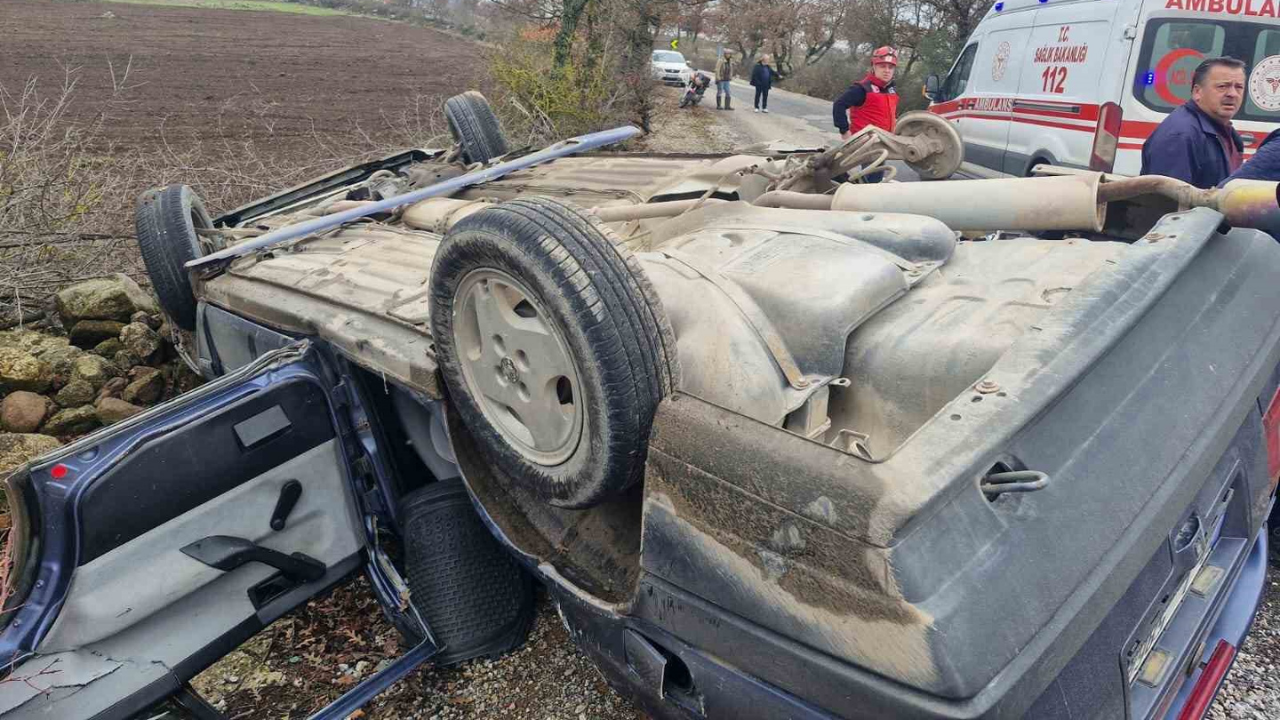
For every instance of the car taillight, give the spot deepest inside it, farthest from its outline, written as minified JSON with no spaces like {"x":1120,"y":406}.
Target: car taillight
{"x":1271,"y":432}
{"x":1106,"y":138}
{"x":1210,"y":678}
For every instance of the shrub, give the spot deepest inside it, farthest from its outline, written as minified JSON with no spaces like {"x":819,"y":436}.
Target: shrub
{"x":544,"y":103}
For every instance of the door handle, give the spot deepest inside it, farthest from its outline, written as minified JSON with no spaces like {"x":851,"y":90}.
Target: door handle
{"x":226,"y":553}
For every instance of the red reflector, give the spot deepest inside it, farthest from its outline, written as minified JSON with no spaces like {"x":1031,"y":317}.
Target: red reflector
{"x":1271,"y":432}
{"x":1210,"y":678}
{"x":59,"y":471}
{"x":1106,"y":138}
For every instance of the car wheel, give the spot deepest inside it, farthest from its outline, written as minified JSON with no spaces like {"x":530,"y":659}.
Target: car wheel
{"x":475,"y":127}
{"x":166,"y":220}
{"x":554,"y":347}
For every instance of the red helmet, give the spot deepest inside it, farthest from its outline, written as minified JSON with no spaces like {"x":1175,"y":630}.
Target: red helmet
{"x":885,"y":54}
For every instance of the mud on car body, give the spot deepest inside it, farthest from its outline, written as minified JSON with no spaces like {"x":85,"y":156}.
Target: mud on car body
{"x":773,"y":452}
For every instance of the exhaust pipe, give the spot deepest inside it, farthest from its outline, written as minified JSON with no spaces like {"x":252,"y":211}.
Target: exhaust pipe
{"x":1076,"y":201}
{"x":1064,"y":202}
{"x":1251,"y":204}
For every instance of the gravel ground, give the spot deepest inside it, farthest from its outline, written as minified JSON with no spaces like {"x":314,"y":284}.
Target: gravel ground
{"x":311,"y":656}
{"x":1252,"y":689}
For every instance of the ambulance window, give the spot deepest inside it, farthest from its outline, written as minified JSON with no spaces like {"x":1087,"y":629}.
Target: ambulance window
{"x":1173,"y":50}
{"x":959,"y":76}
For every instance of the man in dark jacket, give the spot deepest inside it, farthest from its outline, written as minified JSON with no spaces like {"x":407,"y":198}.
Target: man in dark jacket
{"x":1196,"y":143}
{"x":762,"y":77}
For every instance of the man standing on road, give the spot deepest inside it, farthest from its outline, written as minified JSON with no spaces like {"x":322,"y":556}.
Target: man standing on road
{"x":1196,"y":143}
{"x":762,"y":77}
{"x":724,"y":76}
{"x":872,"y":100}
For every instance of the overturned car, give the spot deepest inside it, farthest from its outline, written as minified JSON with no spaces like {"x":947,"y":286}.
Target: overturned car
{"x":778,"y":443}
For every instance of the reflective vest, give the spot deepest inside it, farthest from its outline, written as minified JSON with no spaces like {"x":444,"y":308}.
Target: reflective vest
{"x":879,"y":109}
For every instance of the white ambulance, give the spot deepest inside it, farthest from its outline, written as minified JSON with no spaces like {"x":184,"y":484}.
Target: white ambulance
{"x":1083,"y":83}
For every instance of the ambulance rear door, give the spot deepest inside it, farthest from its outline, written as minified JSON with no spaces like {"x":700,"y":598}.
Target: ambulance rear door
{"x":1063,"y":83}
{"x":987,"y":107}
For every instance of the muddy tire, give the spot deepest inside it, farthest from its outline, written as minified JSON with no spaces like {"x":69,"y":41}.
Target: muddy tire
{"x":475,"y":127}
{"x":166,"y":220}
{"x":553,"y":346}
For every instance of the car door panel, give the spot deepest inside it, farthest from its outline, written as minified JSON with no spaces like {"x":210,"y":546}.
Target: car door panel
{"x":125,"y":502}
{"x":119,"y":609}
{"x":226,"y":342}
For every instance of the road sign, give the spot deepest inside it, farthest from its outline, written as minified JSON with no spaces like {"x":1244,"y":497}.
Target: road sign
{"x":675,"y":42}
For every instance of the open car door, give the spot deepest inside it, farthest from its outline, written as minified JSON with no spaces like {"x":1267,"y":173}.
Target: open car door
{"x":149,"y":549}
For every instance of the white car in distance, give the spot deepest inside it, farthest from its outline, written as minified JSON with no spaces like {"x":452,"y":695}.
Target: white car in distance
{"x":670,"y":67}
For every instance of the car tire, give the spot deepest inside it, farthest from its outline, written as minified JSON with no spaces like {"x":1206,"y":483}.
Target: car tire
{"x":475,"y":127}
{"x":554,"y":347}
{"x":166,"y":220}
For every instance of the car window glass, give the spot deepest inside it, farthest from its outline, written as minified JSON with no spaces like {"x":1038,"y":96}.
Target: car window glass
{"x":667,"y":56}
{"x":959,"y":76}
{"x":1171,"y":50}
{"x":1177,"y":48}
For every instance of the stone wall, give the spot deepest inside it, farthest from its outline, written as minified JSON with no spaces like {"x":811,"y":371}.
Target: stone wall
{"x":106,"y":357}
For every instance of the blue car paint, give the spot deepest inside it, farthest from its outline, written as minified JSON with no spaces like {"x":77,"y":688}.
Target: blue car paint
{"x":1236,"y":618}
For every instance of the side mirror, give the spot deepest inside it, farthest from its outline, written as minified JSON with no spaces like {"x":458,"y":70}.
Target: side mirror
{"x":932,"y":87}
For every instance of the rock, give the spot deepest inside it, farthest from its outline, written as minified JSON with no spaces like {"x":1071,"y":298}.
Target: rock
{"x":184,"y":380}
{"x":30,"y":341}
{"x":114,"y":388}
{"x":108,"y":348}
{"x":88,"y":333}
{"x":75,"y":394}
{"x":125,"y":359}
{"x":22,"y":371}
{"x":151,"y":321}
{"x":18,"y":448}
{"x":140,"y":340}
{"x":146,"y":386}
{"x":72,"y":421}
{"x":61,"y":359}
{"x":22,"y":411}
{"x":113,"y":410}
{"x":116,"y":297}
{"x":94,"y":370}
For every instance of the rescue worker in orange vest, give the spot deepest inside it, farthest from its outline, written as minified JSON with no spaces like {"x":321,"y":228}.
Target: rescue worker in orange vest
{"x":872,"y":100}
